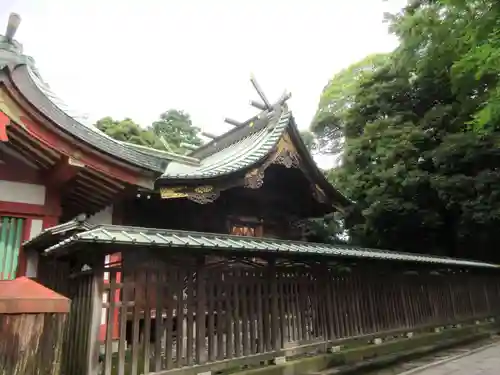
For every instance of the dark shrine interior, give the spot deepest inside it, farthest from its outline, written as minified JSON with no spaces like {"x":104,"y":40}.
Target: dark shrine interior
{"x":286,"y":195}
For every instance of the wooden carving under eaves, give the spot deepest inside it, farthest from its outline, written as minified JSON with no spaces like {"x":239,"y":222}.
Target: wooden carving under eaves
{"x":285,"y":154}
{"x":199,"y":194}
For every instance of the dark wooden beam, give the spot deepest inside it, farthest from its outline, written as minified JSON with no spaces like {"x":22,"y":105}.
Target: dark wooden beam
{"x":208,"y":135}
{"x":260,"y":92}
{"x":258,"y":105}
{"x":233,"y":122}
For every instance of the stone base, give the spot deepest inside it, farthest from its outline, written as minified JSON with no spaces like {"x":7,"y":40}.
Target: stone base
{"x":279,"y":360}
{"x":334,"y":349}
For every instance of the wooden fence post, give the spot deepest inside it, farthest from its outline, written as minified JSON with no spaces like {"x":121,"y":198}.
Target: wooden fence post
{"x":32,"y":325}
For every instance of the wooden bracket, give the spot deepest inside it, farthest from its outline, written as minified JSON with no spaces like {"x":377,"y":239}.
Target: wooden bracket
{"x":64,"y":171}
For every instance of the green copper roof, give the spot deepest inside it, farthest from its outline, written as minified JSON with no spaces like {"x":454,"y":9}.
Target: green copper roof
{"x":120,"y":235}
{"x":237,"y":156}
{"x":57,"y":233}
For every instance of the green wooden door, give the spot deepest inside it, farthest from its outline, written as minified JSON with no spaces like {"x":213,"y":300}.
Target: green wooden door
{"x":11,"y":231}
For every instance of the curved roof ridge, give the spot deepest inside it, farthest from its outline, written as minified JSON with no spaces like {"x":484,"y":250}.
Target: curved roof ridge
{"x":22,"y":72}
{"x":239,"y":155}
{"x":237,"y":134}
{"x":83,"y":119}
{"x":28,"y":81}
{"x":155,"y":151}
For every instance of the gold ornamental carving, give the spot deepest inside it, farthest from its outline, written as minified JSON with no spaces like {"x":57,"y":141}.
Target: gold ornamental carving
{"x":254,"y":179}
{"x":172,"y":193}
{"x":204,"y":189}
{"x":200,"y":194}
{"x":284,"y":154}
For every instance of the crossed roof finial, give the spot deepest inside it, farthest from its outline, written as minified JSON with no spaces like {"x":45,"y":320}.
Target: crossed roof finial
{"x":265,"y":105}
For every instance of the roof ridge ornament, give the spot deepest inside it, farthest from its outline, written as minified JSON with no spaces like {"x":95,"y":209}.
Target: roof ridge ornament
{"x":265,"y":106}
{"x":7,"y":41}
{"x":256,"y":86}
{"x":12,"y":26}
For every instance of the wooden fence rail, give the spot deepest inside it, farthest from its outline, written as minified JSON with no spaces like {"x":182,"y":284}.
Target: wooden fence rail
{"x":176,"y":315}
{"x":164,"y":315}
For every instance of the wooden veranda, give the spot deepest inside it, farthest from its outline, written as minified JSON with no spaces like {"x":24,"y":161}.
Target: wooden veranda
{"x":194,"y":302}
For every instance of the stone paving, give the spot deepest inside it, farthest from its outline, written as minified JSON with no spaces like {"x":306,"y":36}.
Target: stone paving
{"x":484,"y":362}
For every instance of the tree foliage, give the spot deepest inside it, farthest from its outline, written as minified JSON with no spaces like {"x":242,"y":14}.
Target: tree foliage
{"x":421,"y":155}
{"x":174,"y":126}
{"x":309,"y":139}
{"x":127,"y":130}
{"x":337,"y":97}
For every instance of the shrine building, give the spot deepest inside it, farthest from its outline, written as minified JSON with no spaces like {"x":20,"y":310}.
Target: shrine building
{"x":201,"y":259}
{"x":257,"y":180}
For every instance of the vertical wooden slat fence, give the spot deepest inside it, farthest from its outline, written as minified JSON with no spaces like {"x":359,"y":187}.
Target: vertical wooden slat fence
{"x":176,"y":312}
{"x":83,"y":283}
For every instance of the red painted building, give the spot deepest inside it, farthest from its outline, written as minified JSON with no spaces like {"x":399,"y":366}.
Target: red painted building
{"x":54,"y":166}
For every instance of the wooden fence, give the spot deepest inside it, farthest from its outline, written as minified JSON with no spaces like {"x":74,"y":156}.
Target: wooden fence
{"x":33,"y":320}
{"x":178,"y":312}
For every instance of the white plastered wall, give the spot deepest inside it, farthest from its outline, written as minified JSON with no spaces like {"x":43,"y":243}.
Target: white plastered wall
{"x":21,"y":192}
{"x":32,"y":256}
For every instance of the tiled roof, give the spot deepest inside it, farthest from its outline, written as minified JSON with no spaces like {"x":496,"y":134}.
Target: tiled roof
{"x":236,"y":156}
{"x":120,"y":235}
{"x":30,"y":83}
{"x":75,"y":225}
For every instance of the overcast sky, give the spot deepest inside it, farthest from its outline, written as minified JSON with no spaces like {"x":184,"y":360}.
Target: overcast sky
{"x":138,"y":58}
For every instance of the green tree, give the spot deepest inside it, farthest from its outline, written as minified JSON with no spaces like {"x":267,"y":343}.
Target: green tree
{"x":328,"y":124}
{"x":462,"y":38}
{"x":176,"y":128}
{"x":308,"y":139}
{"x":423,"y":177}
{"x":128,"y":131}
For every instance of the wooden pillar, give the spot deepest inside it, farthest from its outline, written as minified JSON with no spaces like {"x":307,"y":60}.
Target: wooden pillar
{"x":201,"y":310}
{"x":452,"y":296}
{"x":95,"y":310}
{"x":273,"y":282}
{"x":484,"y":282}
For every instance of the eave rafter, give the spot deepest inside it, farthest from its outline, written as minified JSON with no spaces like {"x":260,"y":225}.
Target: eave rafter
{"x":64,"y":171}
{"x":26,"y":116}
{"x":88,"y":181}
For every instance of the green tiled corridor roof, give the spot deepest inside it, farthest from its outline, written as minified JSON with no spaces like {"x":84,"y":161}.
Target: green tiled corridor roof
{"x":164,"y":238}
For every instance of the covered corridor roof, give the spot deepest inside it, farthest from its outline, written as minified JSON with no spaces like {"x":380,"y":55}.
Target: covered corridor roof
{"x":164,"y":238}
